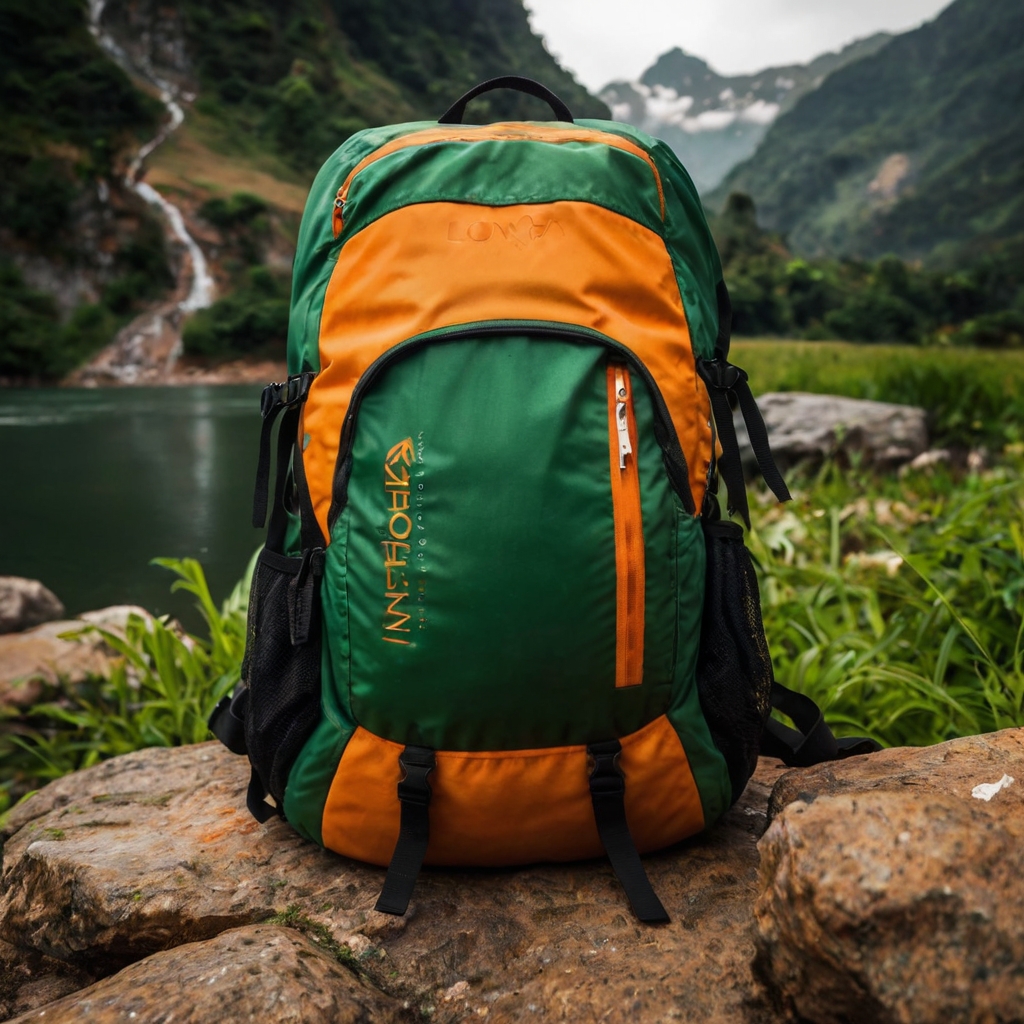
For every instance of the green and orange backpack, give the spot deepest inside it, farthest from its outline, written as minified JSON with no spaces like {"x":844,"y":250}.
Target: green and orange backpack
{"x":498,"y":618}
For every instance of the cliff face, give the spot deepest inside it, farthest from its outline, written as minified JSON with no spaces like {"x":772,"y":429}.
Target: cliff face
{"x":113,"y":112}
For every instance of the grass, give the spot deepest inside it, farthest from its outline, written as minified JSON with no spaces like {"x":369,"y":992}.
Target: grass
{"x":972,"y":396}
{"x":898,"y":604}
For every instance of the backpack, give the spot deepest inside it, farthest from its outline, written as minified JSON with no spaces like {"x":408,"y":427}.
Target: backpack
{"x":498,"y":618}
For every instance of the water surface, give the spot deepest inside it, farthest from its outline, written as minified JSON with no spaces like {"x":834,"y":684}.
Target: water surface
{"x":96,"y":482}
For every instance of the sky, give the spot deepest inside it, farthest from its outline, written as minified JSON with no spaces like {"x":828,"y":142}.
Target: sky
{"x":604,"y":40}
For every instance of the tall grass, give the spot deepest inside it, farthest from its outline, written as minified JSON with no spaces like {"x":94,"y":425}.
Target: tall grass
{"x":972,"y":397}
{"x":898,"y":605}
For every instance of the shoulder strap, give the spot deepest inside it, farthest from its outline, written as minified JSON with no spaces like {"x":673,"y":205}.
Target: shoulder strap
{"x":812,"y":741}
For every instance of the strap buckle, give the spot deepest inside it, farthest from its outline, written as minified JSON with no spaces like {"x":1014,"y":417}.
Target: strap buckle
{"x":286,"y":393}
{"x":606,"y":777}
{"x":720,"y":374}
{"x":417,"y":763}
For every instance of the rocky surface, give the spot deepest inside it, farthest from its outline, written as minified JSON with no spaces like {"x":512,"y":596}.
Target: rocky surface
{"x":26,"y":603}
{"x":803,"y":426}
{"x":155,"y":849}
{"x":887,"y":888}
{"x":892,"y":887}
{"x":257,"y":973}
{"x":42,"y":659}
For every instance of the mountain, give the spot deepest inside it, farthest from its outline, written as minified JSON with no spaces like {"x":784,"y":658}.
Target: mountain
{"x":714,"y":121}
{"x":917,"y":150}
{"x":146,"y":145}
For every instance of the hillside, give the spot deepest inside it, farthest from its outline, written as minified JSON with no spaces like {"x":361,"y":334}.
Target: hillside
{"x":267,"y":91}
{"x":917,"y":150}
{"x":714,"y":121}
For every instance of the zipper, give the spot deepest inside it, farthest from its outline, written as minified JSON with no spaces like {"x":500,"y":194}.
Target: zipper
{"x":664,"y":430}
{"x":627,"y":515}
{"x":486,"y":133}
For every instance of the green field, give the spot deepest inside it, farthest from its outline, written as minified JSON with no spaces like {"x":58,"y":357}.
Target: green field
{"x":972,"y":396}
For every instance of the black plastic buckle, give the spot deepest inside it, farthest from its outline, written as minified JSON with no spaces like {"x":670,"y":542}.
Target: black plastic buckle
{"x":417,"y":763}
{"x":286,"y":393}
{"x":720,"y":374}
{"x":606,"y":777}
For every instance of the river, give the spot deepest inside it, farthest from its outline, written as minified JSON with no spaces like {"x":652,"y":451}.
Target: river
{"x":96,"y":482}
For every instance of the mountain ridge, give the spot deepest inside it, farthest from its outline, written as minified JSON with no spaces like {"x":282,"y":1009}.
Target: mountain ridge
{"x":916,"y":150}
{"x":715,"y":121}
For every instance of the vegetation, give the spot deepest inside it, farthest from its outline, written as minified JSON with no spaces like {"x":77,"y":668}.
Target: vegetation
{"x":898,"y":604}
{"x":916,"y":150}
{"x":302,"y":77}
{"x":972,"y":398}
{"x":775,"y":293}
{"x":160,"y":692}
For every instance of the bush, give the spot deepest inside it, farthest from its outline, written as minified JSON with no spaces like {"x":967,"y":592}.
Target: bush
{"x":252,"y":321}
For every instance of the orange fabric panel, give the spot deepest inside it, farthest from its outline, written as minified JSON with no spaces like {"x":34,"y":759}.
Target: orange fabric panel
{"x":496,"y":808}
{"x":627,"y":513}
{"x":435,"y":265}
{"x":507,"y":131}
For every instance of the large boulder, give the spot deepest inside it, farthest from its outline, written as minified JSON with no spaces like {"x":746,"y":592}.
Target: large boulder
{"x":811,"y":427}
{"x":892,"y":887}
{"x":26,"y":603}
{"x":40,"y":660}
{"x":155,"y":849}
{"x":260,"y":973}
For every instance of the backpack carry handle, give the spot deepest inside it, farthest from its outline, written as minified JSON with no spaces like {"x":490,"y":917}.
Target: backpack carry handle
{"x":457,"y":111}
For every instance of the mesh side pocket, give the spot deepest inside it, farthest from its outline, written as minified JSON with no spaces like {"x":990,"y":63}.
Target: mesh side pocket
{"x":282,"y":676}
{"x":734,"y":668}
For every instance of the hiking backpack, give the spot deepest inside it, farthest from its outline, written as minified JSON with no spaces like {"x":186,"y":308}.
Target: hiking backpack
{"x":498,"y":618}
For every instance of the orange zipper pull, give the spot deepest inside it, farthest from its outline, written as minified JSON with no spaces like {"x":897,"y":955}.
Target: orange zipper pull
{"x":621,"y":420}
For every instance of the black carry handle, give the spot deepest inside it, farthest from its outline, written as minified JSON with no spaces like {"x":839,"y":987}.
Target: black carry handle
{"x":457,"y":111}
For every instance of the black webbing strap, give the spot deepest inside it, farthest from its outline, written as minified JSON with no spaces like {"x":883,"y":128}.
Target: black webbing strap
{"x":607,"y":792}
{"x":256,"y":800}
{"x":275,"y":398}
{"x":723,"y":379}
{"x":414,"y":831}
{"x":227,"y":721}
{"x":812,"y":741}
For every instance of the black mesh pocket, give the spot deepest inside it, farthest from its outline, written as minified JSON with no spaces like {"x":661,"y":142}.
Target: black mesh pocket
{"x":281,"y":668}
{"x":734,"y":668}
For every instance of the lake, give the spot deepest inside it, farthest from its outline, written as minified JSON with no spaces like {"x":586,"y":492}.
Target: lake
{"x":96,"y":482}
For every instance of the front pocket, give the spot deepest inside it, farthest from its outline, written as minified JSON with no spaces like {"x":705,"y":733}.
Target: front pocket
{"x":734,"y":667}
{"x":281,"y":667}
{"x":629,"y":530}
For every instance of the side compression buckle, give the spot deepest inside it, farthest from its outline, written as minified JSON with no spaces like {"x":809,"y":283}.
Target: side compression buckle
{"x":607,"y":793}
{"x":414,"y":832}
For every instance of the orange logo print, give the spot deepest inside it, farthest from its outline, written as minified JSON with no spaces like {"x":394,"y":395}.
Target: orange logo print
{"x":520,"y":233}
{"x":396,"y":548}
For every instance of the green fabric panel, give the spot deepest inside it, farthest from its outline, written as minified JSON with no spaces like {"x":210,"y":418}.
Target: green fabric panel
{"x":504,"y":173}
{"x":313,"y":771}
{"x":706,"y":761}
{"x":513,"y":643}
{"x":314,"y":258}
{"x":693,"y":251}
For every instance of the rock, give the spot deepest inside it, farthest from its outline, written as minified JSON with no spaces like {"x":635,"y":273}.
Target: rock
{"x":41,"y":659}
{"x":29,"y":980}
{"x":813,"y":427}
{"x":155,"y":849}
{"x":892,"y":887}
{"x":257,"y":973}
{"x":26,"y":603}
